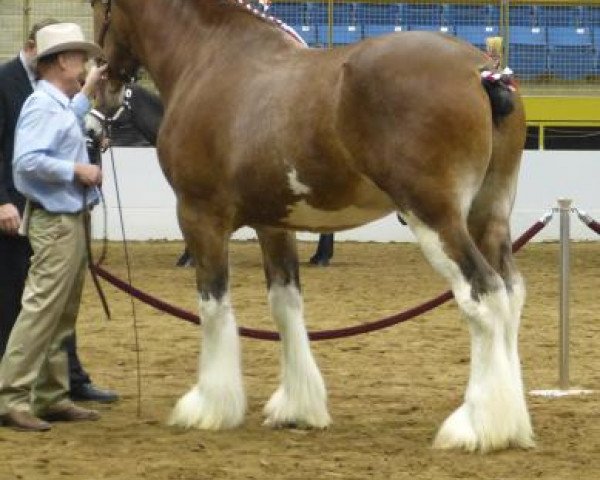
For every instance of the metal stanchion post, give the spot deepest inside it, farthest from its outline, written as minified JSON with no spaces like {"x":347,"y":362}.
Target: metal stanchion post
{"x":564,"y":208}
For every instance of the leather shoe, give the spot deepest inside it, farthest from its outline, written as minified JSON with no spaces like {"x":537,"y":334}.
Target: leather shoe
{"x":70,"y":413}
{"x":25,"y":422}
{"x":89,"y":392}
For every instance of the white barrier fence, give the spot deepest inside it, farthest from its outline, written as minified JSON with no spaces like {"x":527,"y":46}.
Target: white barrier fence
{"x":149,"y":204}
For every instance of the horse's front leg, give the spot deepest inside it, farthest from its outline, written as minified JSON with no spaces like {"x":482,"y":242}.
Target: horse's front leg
{"x":301,"y":399}
{"x":217,"y":401}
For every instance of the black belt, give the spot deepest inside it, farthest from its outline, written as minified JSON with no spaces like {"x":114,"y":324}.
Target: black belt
{"x":38,"y":206}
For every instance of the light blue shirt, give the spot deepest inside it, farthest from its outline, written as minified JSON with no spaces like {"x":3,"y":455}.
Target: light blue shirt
{"x":49,"y":140}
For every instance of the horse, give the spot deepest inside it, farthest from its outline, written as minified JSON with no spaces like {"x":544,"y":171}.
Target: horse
{"x":260,"y":131}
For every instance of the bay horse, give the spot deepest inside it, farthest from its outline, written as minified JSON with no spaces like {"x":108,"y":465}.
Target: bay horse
{"x":260,"y":131}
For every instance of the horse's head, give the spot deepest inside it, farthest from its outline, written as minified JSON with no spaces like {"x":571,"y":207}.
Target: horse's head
{"x":112,"y":32}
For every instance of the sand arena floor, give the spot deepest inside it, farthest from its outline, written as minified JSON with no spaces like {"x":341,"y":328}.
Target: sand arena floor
{"x":388,"y":391}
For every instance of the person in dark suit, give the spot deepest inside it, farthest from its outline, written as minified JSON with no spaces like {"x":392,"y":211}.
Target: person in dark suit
{"x":324,"y":251}
{"x":17,"y":82}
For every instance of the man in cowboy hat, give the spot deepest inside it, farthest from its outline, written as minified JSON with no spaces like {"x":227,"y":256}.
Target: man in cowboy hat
{"x":52,"y":170}
{"x":17,"y":82}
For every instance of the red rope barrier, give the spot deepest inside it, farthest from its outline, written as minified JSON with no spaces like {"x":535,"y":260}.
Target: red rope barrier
{"x":595,"y":226}
{"x":319,"y":335}
{"x":589,"y":221}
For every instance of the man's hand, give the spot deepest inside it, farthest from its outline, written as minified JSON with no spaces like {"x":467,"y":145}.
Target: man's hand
{"x":10,"y":220}
{"x":95,"y":75}
{"x":89,"y":175}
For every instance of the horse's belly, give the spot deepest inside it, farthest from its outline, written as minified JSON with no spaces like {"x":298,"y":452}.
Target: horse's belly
{"x":367,"y":203}
{"x":302,"y":216}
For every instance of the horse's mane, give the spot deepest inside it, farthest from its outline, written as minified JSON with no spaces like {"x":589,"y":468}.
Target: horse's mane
{"x":243,"y":7}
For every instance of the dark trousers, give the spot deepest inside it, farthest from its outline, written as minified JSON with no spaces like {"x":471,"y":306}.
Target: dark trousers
{"x":14,"y":263}
{"x":324,"y":248}
{"x":15,"y":252}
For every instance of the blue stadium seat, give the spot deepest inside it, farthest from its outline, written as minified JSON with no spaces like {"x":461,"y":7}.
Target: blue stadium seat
{"x":554,"y":16}
{"x":476,"y":34}
{"x":424,"y":14}
{"x":292,"y":13}
{"x":596,"y":37}
{"x":571,"y":54}
{"x":343,"y":13}
{"x":341,"y":34}
{"x":590,"y":16}
{"x":379,"y":14}
{"x":471,"y":15}
{"x":524,"y":15}
{"x":344,"y":29}
{"x":448,"y":29}
{"x":569,"y":37}
{"x":527,"y":52}
{"x":307,"y":32}
{"x":375,"y":30}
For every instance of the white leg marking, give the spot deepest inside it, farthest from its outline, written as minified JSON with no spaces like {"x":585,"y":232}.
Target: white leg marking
{"x":301,"y":399}
{"x":494,"y":414}
{"x":218,"y":400}
{"x":524,"y":436}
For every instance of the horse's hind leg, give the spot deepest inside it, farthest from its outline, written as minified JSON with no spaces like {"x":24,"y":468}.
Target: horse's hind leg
{"x":301,"y":398}
{"x":217,"y":401}
{"x":489,"y":227}
{"x":493,"y":414}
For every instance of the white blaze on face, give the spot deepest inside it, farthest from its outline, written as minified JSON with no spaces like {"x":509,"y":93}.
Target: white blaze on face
{"x":296,"y":186}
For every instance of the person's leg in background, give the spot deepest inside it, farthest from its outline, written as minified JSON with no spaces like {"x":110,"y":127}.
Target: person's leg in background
{"x":324,"y":251}
{"x":81,"y":386}
{"x":15,"y":252}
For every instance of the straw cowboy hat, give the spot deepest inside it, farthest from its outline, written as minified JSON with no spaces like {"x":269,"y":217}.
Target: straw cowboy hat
{"x":63,"y":37}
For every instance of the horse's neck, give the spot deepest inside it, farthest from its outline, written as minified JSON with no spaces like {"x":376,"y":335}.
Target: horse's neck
{"x":183,"y":32}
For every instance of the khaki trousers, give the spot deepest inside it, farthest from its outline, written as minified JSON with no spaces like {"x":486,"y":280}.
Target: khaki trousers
{"x":34,"y":370}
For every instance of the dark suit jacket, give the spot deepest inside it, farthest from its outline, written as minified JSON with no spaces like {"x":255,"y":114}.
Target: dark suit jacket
{"x":14,"y":90}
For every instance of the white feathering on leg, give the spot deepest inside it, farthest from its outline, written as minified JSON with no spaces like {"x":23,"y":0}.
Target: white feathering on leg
{"x":493,"y":415}
{"x":301,"y":399}
{"x":218,"y":400}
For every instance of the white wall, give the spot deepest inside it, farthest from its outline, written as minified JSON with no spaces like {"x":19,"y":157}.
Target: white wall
{"x":149,"y":204}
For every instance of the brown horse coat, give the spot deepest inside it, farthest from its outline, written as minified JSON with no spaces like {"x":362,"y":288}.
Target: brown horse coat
{"x":260,"y":131}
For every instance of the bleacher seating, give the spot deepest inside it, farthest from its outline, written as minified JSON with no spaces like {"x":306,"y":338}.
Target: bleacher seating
{"x":344,"y":29}
{"x":307,"y":32}
{"x":380,"y":19}
{"x":522,"y":15}
{"x":472,"y":14}
{"x":424,"y":14}
{"x":590,"y":16}
{"x":560,"y":41}
{"x":379,"y":14}
{"x":570,"y":52}
{"x":292,"y":13}
{"x":476,"y":34}
{"x":340,"y":34}
{"x":559,"y":16}
{"x":527,"y":54}
{"x":343,"y":13}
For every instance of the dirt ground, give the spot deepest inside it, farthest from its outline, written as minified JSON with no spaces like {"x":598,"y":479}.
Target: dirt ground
{"x":389,"y":391}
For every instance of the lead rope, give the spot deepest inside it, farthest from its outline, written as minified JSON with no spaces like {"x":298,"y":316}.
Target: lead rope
{"x":87,"y":229}
{"x":108,"y":126}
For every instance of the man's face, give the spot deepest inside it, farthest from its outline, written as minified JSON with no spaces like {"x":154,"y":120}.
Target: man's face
{"x":73,"y":69}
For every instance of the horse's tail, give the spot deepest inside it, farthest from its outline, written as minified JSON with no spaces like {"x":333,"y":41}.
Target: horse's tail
{"x":501,"y":94}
